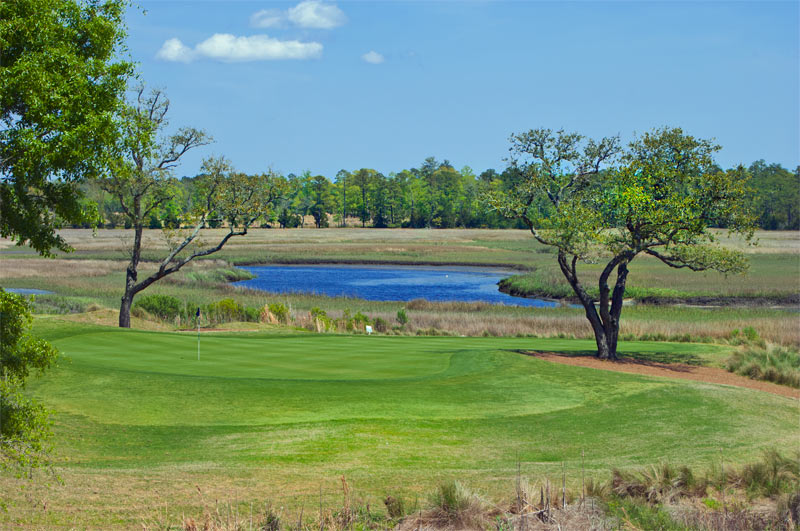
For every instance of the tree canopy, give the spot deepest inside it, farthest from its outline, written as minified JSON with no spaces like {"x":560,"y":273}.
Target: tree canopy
{"x":595,"y":202}
{"x":61,"y":82}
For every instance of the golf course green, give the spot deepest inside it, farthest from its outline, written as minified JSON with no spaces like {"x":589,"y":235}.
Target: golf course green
{"x":420,"y":405}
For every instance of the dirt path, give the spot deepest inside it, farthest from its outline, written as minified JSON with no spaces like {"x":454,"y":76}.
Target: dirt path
{"x":670,"y":370}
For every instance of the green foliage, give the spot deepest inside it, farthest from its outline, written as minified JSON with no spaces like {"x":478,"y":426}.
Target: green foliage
{"x":225,"y":311}
{"x":777,"y":195}
{"x":280,"y":311}
{"x":320,"y":321}
{"x":25,"y":425}
{"x":402,"y":317}
{"x":164,"y":307}
{"x":252,"y":314}
{"x":361,"y":319}
{"x":61,"y":82}
{"x":153,"y":222}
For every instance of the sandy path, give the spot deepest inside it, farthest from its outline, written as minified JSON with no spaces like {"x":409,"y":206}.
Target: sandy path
{"x":670,"y":370}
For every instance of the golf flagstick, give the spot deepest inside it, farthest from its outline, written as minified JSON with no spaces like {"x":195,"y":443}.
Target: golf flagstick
{"x":197,"y":318}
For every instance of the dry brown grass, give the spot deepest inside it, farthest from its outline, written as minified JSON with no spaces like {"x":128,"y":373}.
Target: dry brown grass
{"x":116,"y":239}
{"x":468,"y":319}
{"x":60,"y":268}
{"x":42,"y":267}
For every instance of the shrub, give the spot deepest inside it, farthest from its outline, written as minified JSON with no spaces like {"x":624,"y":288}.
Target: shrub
{"x":381,"y":325}
{"x":225,"y":311}
{"x":361,"y":318}
{"x":280,"y":311}
{"x":320,"y":320}
{"x":252,"y":314}
{"x":402,"y":317}
{"x":164,"y":307}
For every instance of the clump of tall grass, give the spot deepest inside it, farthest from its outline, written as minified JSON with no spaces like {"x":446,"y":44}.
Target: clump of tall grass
{"x":774,"y":474}
{"x":773,"y":363}
{"x":643,"y":497}
{"x":453,"y":506}
{"x":662,"y":483}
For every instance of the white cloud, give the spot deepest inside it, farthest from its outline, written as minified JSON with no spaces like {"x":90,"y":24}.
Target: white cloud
{"x":316,"y":14}
{"x":230,"y":48}
{"x":267,"y":18}
{"x":373,"y":57}
{"x":175,"y":50}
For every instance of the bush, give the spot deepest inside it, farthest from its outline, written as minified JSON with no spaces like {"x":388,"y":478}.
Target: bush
{"x":320,"y":320}
{"x":225,"y":311}
{"x":252,"y":315}
{"x":402,"y":317}
{"x":164,"y":307}
{"x":381,"y":325}
{"x":280,"y":311}
{"x":361,"y":318}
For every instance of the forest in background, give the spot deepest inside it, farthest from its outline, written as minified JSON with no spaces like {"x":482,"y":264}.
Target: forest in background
{"x":433,"y":195}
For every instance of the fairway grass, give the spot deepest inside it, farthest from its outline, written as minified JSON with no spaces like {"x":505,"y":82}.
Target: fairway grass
{"x":144,"y":431}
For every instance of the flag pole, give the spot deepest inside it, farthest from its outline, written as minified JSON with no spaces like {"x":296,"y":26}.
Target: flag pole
{"x":197,"y":318}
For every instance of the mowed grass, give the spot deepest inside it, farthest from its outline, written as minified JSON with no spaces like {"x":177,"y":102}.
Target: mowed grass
{"x":276,"y":417}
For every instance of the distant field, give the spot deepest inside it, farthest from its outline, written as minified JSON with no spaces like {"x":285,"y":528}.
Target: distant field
{"x":145,"y":431}
{"x":97,"y":278}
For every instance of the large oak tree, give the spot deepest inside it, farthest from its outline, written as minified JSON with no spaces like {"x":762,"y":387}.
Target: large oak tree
{"x":595,"y":202}
{"x":61,"y":85}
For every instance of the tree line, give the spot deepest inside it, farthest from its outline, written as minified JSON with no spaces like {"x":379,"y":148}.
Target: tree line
{"x":433,"y":195}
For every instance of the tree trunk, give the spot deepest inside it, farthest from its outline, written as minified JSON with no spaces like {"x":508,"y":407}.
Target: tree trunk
{"x":606,"y":350}
{"x":131,"y":275}
{"x":125,"y":310}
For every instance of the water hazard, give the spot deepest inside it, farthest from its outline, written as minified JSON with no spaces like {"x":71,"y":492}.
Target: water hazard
{"x":388,"y":283}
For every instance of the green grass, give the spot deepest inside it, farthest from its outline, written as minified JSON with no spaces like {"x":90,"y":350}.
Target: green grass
{"x":275,"y":416}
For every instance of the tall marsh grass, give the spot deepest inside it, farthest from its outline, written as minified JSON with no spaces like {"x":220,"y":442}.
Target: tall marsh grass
{"x":774,"y":363}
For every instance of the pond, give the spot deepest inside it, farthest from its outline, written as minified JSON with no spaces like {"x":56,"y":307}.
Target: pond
{"x":389,"y":283}
{"x":28,"y":291}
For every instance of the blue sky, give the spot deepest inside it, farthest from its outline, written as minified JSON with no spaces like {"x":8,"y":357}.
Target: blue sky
{"x":322,"y":86}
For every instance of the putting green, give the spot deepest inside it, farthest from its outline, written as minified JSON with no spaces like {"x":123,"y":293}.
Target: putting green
{"x":291,"y":357}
